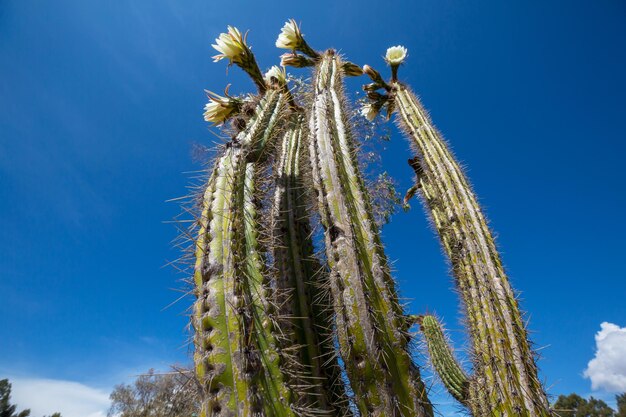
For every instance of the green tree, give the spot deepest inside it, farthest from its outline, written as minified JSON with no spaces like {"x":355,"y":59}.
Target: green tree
{"x":174,"y":394}
{"x":6,"y":409}
{"x":621,"y":405}
{"x":574,"y":405}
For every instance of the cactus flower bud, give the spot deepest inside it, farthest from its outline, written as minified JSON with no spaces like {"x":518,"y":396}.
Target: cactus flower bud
{"x":351,"y":70}
{"x":296,"y":61}
{"x":373,"y":74}
{"x":372,"y":87}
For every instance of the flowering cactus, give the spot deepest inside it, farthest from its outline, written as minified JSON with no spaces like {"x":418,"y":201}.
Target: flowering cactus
{"x":237,"y":360}
{"x":506,"y":380}
{"x":369,"y":320}
{"x":300,"y":281}
{"x":280,"y":332}
{"x":237,"y":354}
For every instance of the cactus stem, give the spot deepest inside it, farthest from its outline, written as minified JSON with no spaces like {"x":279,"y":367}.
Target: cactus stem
{"x":236,"y":358}
{"x":306,"y":322}
{"x":369,"y":317}
{"x":443,"y":360}
{"x":504,"y":363}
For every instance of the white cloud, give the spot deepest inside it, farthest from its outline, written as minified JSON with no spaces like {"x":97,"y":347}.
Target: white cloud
{"x":47,"y":396}
{"x":607,"y":370}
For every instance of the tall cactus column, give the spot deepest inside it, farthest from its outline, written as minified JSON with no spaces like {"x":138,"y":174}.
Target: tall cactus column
{"x":219,"y":354}
{"x":506,"y":378}
{"x":369,"y":320}
{"x":273,"y":390}
{"x":304,"y":305}
{"x":236,"y":355}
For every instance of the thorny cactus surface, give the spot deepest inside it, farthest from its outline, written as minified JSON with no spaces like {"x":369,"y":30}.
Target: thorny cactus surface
{"x":369,"y":320}
{"x":506,"y":379}
{"x":236,"y":355}
{"x":279,"y":332}
{"x":303,"y":300}
{"x":443,"y":360}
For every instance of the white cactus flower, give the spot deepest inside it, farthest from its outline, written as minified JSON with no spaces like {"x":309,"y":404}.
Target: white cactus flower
{"x":369,"y":111}
{"x":290,"y":36}
{"x":396,"y":55}
{"x":219,"y":108}
{"x":230,"y":45}
{"x":276,"y":72}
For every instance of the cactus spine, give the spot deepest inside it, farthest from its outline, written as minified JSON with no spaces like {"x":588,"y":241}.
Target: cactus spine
{"x":369,"y":319}
{"x":506,"y":380}
{"x":302,"y":302}
{"x":236,"y":352}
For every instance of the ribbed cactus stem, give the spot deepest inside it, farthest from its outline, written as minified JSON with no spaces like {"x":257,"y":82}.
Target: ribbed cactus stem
{"x":503,"y":360}
{"x":368,"y":316}
{"x":276,"y":395}
{"x":443,"y":360}
{"x":219,"y":355}
{"x":227,"y":340}
{"x":303,"y":304}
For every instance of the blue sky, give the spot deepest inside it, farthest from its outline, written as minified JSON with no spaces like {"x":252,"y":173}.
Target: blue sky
{"x":101,"y":105}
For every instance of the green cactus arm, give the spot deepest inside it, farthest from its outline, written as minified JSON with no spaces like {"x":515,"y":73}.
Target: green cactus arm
{"x":303,"y":303}
{"x":443,"y":360}
{"x":368,"y":316}
{"x":277,"y":396}
{"x":224,"y":352}
{"x":504,"y":361}
{"x":265,"y":125}
{"x":218,"y":337}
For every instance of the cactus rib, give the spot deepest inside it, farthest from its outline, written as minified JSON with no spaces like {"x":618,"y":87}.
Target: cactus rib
{"x":369,"y":318}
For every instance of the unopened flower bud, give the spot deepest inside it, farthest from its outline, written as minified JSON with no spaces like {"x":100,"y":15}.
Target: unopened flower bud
{"x":296,"y":61}
{"x":351,"y":70}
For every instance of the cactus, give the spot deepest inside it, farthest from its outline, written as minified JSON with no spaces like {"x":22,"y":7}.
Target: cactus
{"x":271,"y":319}
{"x":236,"y":356}
{"x":302,"y":302}
{"x":506,"y":379}
{"x":219,"y":355}
{"x":277,"y":395}
{"x":442,"y":358}
{"x":369,"y":319}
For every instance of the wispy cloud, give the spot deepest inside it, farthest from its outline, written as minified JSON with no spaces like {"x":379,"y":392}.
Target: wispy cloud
{"x":607,"y":370}
{"x":47,"y":396}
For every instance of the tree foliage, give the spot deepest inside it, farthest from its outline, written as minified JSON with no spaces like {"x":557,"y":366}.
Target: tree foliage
{"x":156,"y":395}
{"x":574,"y":405}
{"x":621,"y":405}
{"x":6,"y":409}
